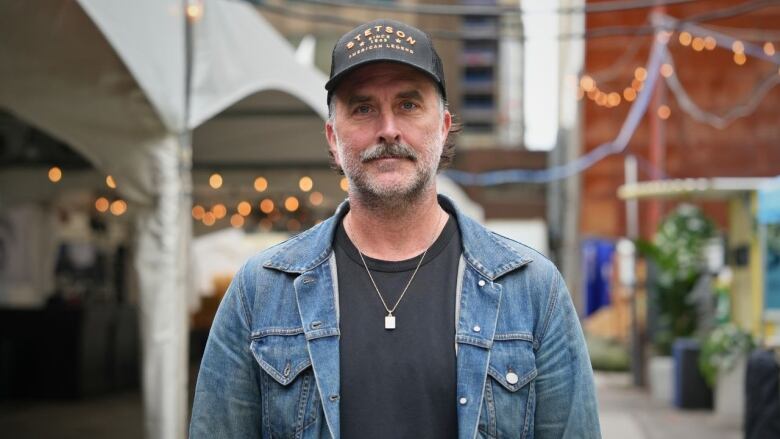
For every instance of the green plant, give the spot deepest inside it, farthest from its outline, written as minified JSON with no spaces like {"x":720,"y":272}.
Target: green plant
{"x":721,"y":350}
{"x":677,"y":252}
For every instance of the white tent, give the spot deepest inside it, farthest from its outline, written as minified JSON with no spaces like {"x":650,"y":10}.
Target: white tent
{"x":124,"y":83}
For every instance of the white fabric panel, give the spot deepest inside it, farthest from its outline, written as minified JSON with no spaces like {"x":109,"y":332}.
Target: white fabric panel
{"x":59,"y":74}
{"x":163,"y":235}
{"x":148,"y":35}
{"x":237,"y":53}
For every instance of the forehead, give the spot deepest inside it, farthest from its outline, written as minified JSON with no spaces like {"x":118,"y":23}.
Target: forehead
{"x":384,"y":76}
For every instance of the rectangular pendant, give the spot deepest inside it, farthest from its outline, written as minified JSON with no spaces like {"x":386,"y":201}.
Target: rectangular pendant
{"x":389,"y":322}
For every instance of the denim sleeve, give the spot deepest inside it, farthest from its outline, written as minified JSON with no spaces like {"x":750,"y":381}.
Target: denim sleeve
{"x":227,"y":396}
{"x":566,"y":400}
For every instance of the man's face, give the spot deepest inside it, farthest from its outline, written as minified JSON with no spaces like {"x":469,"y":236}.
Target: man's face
{"x":388,"y":131}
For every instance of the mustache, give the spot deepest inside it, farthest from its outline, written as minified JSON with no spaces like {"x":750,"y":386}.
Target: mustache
{"x":388,"y":150}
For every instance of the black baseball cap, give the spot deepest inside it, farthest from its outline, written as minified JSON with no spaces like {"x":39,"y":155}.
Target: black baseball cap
{"x":385,"y":40}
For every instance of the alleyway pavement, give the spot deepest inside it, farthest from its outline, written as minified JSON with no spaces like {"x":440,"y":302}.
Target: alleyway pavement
{"x":630,"y":413}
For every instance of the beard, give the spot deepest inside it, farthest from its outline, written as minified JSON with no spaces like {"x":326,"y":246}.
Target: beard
{"x":376,"y":194}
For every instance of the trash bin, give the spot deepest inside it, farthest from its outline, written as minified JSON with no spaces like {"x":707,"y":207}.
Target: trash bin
{"x":690,"y":389}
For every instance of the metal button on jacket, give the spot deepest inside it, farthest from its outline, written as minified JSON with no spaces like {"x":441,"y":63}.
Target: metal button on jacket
{"x":512,"y":378}
{"x":463,"y":401}
{"x":481,"y":282}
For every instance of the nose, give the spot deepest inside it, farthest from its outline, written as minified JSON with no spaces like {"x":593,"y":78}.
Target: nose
{"x":388,"y":129}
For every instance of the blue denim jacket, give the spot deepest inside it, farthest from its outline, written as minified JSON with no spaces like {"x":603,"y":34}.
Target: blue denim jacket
{"x":271,"y":365}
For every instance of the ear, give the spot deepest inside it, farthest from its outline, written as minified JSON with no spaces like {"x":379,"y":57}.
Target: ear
{"x":330,"y":134}
{"x":446,"y":123}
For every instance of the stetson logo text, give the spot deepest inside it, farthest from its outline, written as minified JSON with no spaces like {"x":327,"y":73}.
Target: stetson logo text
{"x":378,"y":37}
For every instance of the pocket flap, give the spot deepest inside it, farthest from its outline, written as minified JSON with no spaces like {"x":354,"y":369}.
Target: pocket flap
{"x":512,"y":363}
{"x":283,"y":357}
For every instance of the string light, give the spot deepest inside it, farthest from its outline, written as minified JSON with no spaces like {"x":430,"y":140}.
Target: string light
{"x":587,"y":83}
{"x":710,"y":43}
{"x":118,"y":207}
{"x":291,"y":204}
{"x":629,"y":94}
{"x":740,"y":58}
{"x":55,"y":174}
{"x":640,"y":73}
{"x":261,"y":184}
{"x":306,"y":183}
{"x":664,"y":112}
{"x":667,"y":70}
{"x":209,"y":219}
{"x":244,"y":208}
{"x":110,"y":182}
{"x":102,"y":204}
{"x":344,"y":184}
{"x":738,"y":47}
{"x":237,"y":220}
{"x":697,"y":44}
{"x":769,"y":48}
{"x":685,"y":38}
{"x":197,"y":212}
{"x":195,"y":11}
{"x":267,"y":206}
{"x":613,"y":99}
{"x":215,"y":181}
{"x":316,"y":198}
{"x":219,"y":211}
{"x":637,"y":84}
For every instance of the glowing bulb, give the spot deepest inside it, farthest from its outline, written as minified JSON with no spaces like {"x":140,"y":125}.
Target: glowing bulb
{"x":215,"y":181}
{"x":291,"y":204}
{"x":587,"y":83}
{"x":640,"y":73}
{"x":769,"y":48}
{"x":55,"y":174}
{"x":738,"y":47}
{"x":261,"y":184}
{"x":195,"y":11}
{"x":601,"y":99}
{"x":209,"y":219}
{"x":593,"y":93}
{"x":613,"y":99}
{"x":219,"y":211}
{"x":110,"y":182}
{"x":710,"y":43}
{"x":316,"y":198}
{"x":101,"y":204}
{"x":244,"y":208}
{"x":740,"y":58}
{"x":237,"y":220}
{"x":118,"y":207}
{"x":629,"y":94}
{"x":698,"y":44}
{"x":197,"y":212}
{"x":344,"y":184}
{"x":664,"y":112}
{"x":667,"y":70}
{"x":637,"y":84}
{"x":685,"y":38}
{"x":305,"y":183}
{"x":267,"y":206}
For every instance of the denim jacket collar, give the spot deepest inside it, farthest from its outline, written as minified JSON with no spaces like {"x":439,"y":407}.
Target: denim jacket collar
{"x":313,"y":247}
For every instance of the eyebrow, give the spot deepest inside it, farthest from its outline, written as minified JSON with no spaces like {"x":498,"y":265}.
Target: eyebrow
{"x":357,"y":99}
{"x":411,"y":94}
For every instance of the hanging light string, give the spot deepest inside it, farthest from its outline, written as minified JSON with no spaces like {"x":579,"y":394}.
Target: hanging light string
{"x":616,"y":146}
{"x":659,"y":54}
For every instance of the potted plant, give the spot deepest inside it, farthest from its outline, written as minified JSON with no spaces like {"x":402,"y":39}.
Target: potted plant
{"x":676,"y":256}
{"x":722,"y":362}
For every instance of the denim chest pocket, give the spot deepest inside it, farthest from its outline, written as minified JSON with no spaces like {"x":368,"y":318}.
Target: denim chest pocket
{"x":509,"y":399}
{"x":290,"y":399}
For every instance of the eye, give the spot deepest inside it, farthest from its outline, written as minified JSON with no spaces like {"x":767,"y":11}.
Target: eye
{"x":408,"y":105}
{"x":362,"y":109}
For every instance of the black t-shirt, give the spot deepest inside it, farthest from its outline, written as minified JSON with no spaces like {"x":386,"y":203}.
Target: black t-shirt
{"x":398,"y":383}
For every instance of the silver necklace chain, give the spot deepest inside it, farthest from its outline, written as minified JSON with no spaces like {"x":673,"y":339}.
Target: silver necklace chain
{"x":390,"y":324}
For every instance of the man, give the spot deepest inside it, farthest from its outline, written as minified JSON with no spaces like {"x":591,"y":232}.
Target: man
{"x":398,"y":317}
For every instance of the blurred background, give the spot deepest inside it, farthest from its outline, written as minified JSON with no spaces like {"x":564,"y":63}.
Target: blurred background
{"x":148,"y":148}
